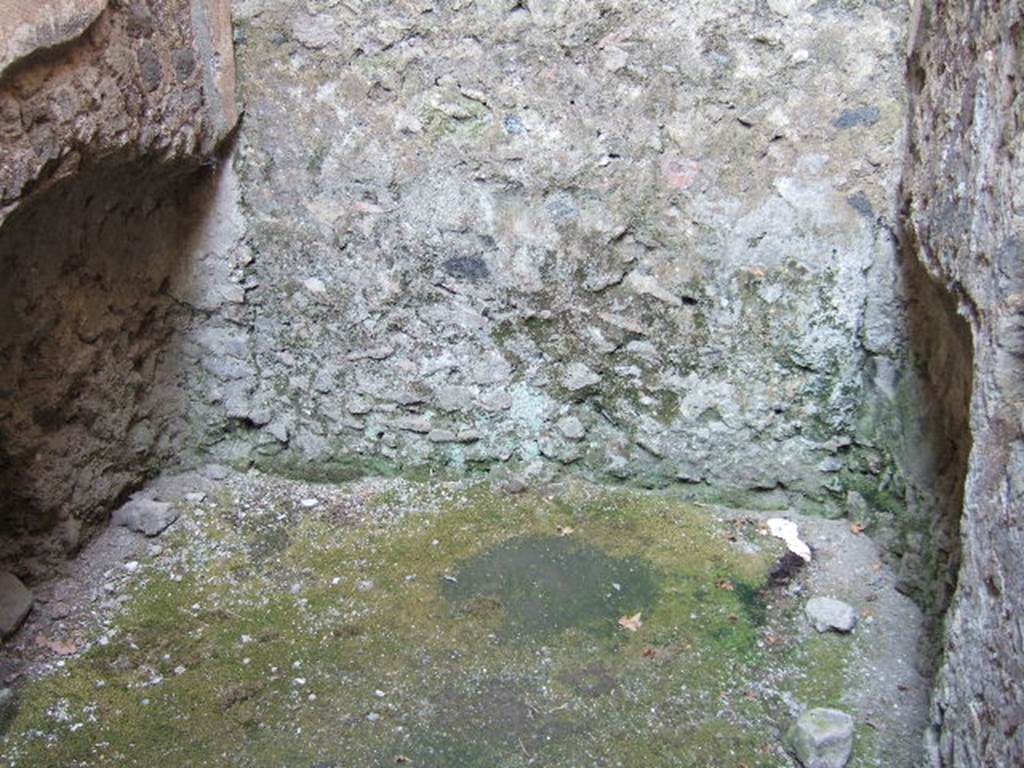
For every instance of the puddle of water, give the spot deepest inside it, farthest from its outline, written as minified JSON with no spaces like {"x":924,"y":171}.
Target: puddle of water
{"x":543,"y":584}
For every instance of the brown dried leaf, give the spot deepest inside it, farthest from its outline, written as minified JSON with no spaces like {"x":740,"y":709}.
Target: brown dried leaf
{"x":727,"y":585}
{"x":632,"y":623}
{"x":60,"y":647}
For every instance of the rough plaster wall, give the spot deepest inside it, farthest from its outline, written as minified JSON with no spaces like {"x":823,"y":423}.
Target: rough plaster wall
{"x":30,"y":27}
{"x":643,"y":240}
{"x":88,"y":83}
{"x":964,"y":187}
{"x":112,"y":249}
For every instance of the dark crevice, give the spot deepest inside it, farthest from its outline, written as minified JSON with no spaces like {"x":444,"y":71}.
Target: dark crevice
{"x":938,"y":439}
{"x":87,"y":336}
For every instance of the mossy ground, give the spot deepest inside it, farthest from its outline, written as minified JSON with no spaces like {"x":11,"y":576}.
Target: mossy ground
{"x":479,"y":631}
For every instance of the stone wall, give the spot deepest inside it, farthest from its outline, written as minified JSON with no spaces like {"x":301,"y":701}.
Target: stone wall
{"x":647,"y":241}
{"x":644,"y":241}
{"x":964,"y":185}
{"x":108,"y":111}
{"x":93,"y":82}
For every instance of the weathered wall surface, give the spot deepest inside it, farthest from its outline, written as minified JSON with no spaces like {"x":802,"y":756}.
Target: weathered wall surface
{"x":32,"y":27}
{"x":965,"y":196}
{"x":933,"y":447}
{"x":107,"y":257}
{"x":643,"y":240}
{"x":88,"y":82}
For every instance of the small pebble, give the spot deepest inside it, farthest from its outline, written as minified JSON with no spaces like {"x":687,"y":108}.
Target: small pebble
{"x":216,"y":471}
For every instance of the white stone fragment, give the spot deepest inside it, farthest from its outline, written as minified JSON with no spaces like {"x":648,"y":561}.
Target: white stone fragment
{"x":787,"y":530}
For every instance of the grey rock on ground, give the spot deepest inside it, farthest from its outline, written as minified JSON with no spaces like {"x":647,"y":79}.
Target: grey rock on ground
{"x":821,"y":738}
{"x":216,"y":471}
{"x":826,"y":613}
{"x":145,"y":516}
{"x":15,"y":603}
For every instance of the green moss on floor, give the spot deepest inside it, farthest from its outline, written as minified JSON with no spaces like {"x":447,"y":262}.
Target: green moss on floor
{"x":483,"y":630}
{"x":823,"y":660}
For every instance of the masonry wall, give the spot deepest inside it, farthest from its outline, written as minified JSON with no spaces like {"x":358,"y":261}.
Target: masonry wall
{"x":109,"y":112}
{"x":649,"y":242}
{"x":963,"y":188}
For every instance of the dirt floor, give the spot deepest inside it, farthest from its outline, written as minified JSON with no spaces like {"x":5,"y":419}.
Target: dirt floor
{"x":384,"y":622}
